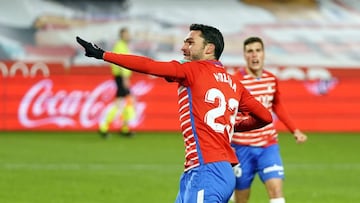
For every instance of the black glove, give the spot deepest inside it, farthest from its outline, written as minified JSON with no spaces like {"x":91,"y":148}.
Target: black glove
{"x":91,"y":50}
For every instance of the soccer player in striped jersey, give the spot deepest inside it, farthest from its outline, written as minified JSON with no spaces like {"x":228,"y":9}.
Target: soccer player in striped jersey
{"x":209,"y":99}
{"x":258,"y":150}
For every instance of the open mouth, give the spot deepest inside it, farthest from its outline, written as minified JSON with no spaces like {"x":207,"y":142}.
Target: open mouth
{"x":255,"y":62}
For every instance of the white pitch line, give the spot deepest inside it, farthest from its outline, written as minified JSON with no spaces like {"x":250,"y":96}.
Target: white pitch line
{"x":97,"y":166}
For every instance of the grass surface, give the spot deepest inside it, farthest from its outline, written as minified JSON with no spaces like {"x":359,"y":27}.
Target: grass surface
{"x":79,"y":167}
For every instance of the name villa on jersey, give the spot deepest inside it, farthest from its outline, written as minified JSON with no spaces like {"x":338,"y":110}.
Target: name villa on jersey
{"x":223,"y":77}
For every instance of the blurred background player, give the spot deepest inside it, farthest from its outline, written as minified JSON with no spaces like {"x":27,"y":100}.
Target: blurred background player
{"x":124,"y":101}
{"x":258,"y":150}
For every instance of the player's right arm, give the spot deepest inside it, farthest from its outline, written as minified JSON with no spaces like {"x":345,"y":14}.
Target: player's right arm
{"x":145,"y":65}
{"x":135,"y":63}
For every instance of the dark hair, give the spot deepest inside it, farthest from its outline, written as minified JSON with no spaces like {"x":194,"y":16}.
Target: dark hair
{"x":211,"y":35}
{"x":122,"y":30}
{"x":251,"y":40}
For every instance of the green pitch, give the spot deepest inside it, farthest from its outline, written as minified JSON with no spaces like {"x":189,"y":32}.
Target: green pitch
{"x":80,"y":167}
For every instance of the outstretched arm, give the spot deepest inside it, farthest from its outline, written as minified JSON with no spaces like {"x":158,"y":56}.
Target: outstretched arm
{"x":132,"y":62}
{"x":145,"y":65}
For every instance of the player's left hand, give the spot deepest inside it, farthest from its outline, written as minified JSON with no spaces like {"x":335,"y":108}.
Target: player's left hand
{"x":299,"y":136}
{"x":91,"y":50}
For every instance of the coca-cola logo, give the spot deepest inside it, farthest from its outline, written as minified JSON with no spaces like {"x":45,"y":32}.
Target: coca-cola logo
{"x":41,"y":105}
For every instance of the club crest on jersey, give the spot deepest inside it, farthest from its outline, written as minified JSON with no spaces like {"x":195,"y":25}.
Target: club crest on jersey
{"x":223,"y":77}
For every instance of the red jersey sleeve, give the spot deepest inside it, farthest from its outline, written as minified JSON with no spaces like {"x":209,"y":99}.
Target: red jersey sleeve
{"x":281,"y":112}
{"x":146,"y":65}
{"x":183,"y":73}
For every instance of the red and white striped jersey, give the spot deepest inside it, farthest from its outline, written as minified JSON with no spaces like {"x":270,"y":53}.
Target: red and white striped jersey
{"x":203,"y":118}
{"x":265,"y":89}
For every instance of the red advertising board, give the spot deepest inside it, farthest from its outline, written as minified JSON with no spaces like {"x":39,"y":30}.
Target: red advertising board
{"x":51,"y":97}
{"x":77,"y":98}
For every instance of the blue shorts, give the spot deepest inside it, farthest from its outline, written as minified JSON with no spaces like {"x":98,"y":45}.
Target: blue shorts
{"x":266,"y":162}
{"x":209,"y":183}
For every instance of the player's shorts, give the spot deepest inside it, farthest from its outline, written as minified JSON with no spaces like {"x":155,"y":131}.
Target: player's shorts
{"x":121,"y":91}
{"x":266,"y":162}
{"x":212,"y":182}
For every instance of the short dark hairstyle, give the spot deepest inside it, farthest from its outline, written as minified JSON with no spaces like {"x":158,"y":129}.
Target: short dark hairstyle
{"x":251,"y":40}
{"x":211,"y":35}
{"x":122,"y":30}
